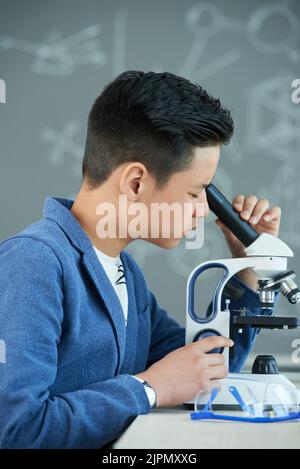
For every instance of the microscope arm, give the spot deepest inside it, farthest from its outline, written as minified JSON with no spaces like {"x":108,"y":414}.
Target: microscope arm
{"x":264,"y":267}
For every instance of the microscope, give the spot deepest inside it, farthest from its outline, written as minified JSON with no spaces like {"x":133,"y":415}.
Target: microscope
{"x":267,"y":256}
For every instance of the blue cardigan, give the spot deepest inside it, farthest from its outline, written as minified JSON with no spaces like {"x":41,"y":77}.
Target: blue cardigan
{"x":66,"y":379}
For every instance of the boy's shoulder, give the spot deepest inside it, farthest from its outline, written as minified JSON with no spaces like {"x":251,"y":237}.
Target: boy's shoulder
{"x":32,"y":238}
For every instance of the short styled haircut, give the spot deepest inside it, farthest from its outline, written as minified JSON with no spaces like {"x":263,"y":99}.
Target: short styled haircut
{"x":154,"y":118}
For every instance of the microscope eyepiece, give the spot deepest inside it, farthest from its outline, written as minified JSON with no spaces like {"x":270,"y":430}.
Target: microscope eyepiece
{"x":230,"y":217}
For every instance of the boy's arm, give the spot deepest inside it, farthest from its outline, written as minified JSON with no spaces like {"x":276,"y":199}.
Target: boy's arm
{"x":31,"y":316}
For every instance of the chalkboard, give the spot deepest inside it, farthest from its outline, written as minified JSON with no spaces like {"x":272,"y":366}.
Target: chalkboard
{"x":55,"y":59}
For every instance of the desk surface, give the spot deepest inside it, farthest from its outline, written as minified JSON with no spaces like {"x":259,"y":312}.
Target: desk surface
{"x":173,"y":428}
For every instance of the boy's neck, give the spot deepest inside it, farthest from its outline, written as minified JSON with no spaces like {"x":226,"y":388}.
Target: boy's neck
{"x":84,"y":210}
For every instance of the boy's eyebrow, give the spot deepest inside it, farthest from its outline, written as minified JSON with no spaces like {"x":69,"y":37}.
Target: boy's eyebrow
{"x":204,"y":186}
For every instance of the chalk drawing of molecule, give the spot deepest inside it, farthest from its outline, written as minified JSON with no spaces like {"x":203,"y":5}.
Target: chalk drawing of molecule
{"x":58,"y":55}
{"x":204,"y":21}
{"x":274,"y":121}
{"x":267,"y":39}
{"x":273,"y":130}
{"x":64,"y":146}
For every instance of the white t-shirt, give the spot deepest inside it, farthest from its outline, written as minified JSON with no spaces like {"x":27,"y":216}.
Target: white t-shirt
{"x":115,"y":271}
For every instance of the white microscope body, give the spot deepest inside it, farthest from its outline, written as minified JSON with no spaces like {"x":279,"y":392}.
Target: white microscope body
{"x":267,"y":256}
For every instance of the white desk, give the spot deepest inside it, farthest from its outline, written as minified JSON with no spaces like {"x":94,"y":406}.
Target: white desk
{"x":173,"y":428}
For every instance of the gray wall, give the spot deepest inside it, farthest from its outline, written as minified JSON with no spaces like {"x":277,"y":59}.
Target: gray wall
{"x":55,"y":58}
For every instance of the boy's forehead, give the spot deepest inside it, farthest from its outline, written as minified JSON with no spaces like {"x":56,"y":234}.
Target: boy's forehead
{"x":205,"y":155}
{"x":204,"y":163}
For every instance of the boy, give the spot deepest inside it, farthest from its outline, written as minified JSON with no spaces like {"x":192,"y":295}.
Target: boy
{"x":87,"y":346}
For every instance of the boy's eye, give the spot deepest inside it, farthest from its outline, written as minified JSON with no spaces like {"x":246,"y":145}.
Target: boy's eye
{"x":195,"y":195}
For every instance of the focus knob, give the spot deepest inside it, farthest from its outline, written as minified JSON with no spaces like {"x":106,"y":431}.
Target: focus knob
{"x":265,"y":365}
{"x":208,"y":333}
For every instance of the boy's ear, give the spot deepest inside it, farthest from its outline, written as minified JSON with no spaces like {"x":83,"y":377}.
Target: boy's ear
{"x":132,"y":180}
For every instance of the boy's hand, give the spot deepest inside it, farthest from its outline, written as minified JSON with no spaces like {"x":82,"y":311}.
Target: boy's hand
{"x":181,"y":374}
{"x":261,"y":217}
{"x":258,"y":214}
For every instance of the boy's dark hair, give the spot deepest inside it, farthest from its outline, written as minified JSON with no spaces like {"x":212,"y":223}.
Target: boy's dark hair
{"x":154,"y":118}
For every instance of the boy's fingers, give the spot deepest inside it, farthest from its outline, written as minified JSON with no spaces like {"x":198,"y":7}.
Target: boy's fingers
{"x":210,"y":343}
{"x":249,"y":204}
{"x":218,"y":372}
{"x":273,"y":214}
{"x":260,"y":208}
{"x":238,"y":201}
{"x":213,"y":359}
